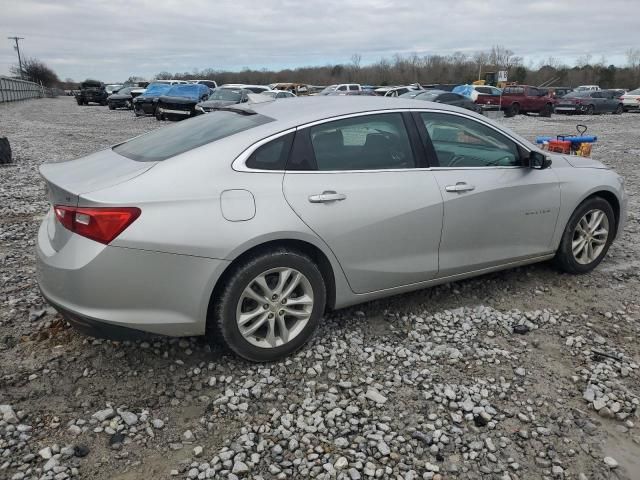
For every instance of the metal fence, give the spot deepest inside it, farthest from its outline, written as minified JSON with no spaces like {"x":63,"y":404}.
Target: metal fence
{"x":12,"y":89}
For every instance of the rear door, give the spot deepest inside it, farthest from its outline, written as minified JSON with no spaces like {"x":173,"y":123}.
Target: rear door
{"x":495,"y":209}
{"x":357,"y":183}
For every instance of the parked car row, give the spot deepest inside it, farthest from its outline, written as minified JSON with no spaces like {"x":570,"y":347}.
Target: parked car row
{"x":175,"y":99}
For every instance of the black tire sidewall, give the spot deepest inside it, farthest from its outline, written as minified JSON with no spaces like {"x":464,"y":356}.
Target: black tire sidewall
{"x":225,"y":316}
{"x":564,"y":256}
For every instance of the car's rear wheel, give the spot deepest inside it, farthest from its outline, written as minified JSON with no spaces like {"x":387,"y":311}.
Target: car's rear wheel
{"x":270,"y":305}
{"x":111,"y":106}
{"x":512,"y":110}
{"x":590,"y":110}
{"x":619,"y":109}
{"x":587,"y":236}
{"x":547,"y":110}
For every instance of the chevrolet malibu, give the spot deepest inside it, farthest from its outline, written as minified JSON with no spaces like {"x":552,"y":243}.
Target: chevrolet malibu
{"x":247,"y":223}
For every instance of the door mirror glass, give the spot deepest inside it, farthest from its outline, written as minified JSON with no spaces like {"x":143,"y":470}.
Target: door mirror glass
{"x":538,"y":160}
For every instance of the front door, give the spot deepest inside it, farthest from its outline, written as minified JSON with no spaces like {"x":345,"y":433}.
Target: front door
{"x":495,"y":209}
{"x":354,"y":182}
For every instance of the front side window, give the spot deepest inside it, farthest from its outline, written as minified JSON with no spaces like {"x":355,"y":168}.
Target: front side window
{"x":371,"y":142}
{"x":463,"y":142}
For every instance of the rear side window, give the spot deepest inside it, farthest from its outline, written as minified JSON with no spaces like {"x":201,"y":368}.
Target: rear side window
{"x":181,"y":137}
{"x":353,"y":88}
{"x":272,"y":155}
{"x":370,"y":142}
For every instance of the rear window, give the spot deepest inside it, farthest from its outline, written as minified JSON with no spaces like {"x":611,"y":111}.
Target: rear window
{"x":181,"y":137}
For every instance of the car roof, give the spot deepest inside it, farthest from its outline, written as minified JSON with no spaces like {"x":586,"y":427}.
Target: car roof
{"x":302,"y":110}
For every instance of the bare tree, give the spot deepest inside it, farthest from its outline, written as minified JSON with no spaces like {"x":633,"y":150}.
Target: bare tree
{"x":36,"y":71}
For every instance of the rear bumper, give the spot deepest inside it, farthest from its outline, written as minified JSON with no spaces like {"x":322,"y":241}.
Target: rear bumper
{"x":97,"y":328}
{"x":103,"y":288}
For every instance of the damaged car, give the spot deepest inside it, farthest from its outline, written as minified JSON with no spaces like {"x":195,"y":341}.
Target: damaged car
{"x":223,"y":97}
{"x":180,"y":101}
{"x":122,"y":99}
{"x":147,"y":103}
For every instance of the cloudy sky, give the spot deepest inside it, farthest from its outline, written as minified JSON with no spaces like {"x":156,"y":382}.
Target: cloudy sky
{"x":114,"y":39}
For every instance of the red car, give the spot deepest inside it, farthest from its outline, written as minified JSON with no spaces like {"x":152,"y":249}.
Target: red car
{"x":526,"y":99}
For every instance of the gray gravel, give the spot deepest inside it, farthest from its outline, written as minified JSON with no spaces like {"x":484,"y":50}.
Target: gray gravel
{"x":430,"y":385}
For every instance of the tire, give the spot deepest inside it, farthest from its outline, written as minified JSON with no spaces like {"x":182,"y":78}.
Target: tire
{"x":233,"y":300}
{"x":5,"y":151}
{"x":78,"y":101}
{"x":512,"y":110}
{"x":581,"y":263}
{"x":619,"y":109}
{"x":547,"y":110}
{"x":103,"y":103}
{"x":159,"y":116}
{"x":128,"y":105}
{"x":591,"y":109}
{"x":112,"y":106}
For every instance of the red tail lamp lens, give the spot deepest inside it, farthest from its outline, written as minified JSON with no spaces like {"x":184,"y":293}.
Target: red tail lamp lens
{"x":102,"y":224}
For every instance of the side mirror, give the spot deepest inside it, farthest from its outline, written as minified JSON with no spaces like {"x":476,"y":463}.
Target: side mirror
{"x":538,"y":160}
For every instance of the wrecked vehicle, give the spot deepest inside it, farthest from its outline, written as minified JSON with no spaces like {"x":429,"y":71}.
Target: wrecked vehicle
{"x":122,"y":99}
{"x":92,"y":91}
{"x":147,"y":103}
{"x":222,"y":97}
{"x":180,"y":101}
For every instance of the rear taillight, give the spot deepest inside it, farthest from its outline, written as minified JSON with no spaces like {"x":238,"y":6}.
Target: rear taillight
{"x":100,"y":224}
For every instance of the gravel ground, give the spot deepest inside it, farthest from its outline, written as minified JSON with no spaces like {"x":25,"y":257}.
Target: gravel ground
{"x":430,"y":385}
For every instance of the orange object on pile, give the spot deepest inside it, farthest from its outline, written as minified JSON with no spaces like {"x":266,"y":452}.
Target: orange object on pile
{"x":560,"y":146}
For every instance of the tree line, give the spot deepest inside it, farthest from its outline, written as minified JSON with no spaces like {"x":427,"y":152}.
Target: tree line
{"x":428,"y":69}
{"x":458,"y":67}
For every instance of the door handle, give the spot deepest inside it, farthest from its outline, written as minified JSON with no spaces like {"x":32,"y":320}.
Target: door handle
{"x":459,"y":187}
{"x":327,"y":196}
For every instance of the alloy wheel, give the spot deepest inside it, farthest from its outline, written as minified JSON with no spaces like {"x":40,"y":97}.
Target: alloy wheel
{"x":274,"y":307}
{"x":590,"y":236}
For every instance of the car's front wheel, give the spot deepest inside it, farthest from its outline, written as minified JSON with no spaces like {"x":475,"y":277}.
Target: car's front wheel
{"x":587,"y":236}
{"x":270,"y":305}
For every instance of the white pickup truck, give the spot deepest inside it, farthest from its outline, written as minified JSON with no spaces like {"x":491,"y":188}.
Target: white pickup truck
{"x":342,"y":89}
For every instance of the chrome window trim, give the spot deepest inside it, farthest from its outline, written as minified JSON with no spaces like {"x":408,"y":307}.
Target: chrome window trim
{"x":239,"y":164}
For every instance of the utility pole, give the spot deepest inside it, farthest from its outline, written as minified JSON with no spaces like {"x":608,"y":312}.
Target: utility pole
{"x":17,"y":47}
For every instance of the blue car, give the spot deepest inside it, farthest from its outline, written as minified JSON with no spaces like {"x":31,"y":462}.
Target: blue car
{"x":147,"y":103}
{"x":179,"y":101}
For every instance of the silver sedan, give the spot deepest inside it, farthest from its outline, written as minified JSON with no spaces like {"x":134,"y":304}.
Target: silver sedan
{"x":247,"y":223}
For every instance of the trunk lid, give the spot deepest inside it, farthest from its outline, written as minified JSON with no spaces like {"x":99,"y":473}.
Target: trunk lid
{"x":67,"y":181}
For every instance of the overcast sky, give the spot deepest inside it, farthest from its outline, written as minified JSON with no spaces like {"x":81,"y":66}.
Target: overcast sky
{"x":111,"y":40}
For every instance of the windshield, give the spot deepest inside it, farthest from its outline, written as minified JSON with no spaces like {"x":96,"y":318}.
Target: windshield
{"x":125,"y":91}
{"x":181,"y":137}
{"x":270,"y":94}
{"x":429,"y":95}
{"x":328,"y":90}
{"x":226,"y":94}
{"x":156,"y":89}
{"x":187,"y":91}
{"x":634,"y":92}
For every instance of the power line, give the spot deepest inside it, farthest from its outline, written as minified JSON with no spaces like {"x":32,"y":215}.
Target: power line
{"x":17,"y":47}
